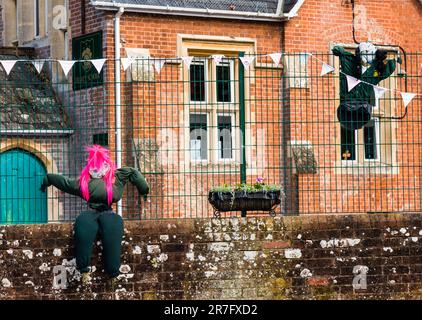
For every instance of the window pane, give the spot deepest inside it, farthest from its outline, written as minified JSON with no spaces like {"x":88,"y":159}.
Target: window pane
{"x":370,"y":139}
{"x":223,"y":83}
{"x":348,"y":144}
{"x":198,"y":137}
{"x":197,"y":81}
{"x":101,"y":139}
{"x":37,"y":17}
{"x":225,"y":140}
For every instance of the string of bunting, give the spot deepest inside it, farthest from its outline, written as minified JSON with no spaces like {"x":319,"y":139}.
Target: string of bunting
{"x":247,"y":61}
{"x":353,"y":82}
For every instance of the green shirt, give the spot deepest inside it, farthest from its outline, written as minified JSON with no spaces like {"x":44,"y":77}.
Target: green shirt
{"x":362,"y":92}
{"x":97,"y":188}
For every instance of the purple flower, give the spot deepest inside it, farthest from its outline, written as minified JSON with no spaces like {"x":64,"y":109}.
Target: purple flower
{"x":260,"y":179}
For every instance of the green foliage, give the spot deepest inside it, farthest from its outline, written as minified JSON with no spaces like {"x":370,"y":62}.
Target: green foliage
{"x":253,"y":187}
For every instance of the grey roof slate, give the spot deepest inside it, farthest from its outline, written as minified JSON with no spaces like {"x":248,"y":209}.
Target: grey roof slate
{"x":27,"y":101}
{"x":263,"y":6}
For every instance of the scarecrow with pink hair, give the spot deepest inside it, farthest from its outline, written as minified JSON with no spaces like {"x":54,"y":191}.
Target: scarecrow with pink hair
{"x":101,"y":185}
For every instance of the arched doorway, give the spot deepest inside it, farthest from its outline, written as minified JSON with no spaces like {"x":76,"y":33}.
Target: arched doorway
{"x":21,"y":201}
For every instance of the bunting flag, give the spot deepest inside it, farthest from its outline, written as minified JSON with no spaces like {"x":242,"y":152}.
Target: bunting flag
{"x":247,"y":61}
{"x":326,"y":68}
{"x":379,"y":92}
{"x":351,"y":82}
{"x":217,"y":58}
{"x":38,"y":64}
{"x":276,"y":58}
{"x":126,"y":62}
{"x":187,"y":60}
{"x":407,"y":97}
{"x":98,"y":64}
{"x":66,"y":66}
{"x":159,"y":64}
{"x":8,"y":65}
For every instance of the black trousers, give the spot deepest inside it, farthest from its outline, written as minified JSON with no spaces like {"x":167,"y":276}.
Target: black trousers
{"x":110,"y":227}
{"x":354,"y":115}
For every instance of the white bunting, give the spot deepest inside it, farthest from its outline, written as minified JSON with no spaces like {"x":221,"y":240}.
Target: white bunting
{"x":247,"y":61}
{"x":407,"y":97}
{"x":326,"y":68}
{"x":66,"y":66}
{"x":159,"y":64}
{"x":217,"y":58}
{"x":98,"y":64}
{"x":276,"y":58}
{"x":8,"y":65}
{"x":187,"y":61}
{"x":38,"y":64}
{"x":126,"y":62}
{"x":379,"y":92}
{"x":352,"y":82}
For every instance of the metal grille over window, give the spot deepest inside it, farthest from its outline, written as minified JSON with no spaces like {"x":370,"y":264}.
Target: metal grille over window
{"x":207,"y":120}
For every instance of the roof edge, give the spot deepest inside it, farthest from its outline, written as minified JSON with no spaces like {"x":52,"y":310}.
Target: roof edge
{"x":54,"y":132}
{"x":293,"y":12}
{"x":196,"y":12}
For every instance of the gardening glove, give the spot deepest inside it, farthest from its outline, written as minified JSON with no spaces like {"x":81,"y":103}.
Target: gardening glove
{"x":44,"y":185}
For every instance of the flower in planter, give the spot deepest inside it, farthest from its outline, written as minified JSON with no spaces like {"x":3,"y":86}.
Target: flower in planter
{"x":259,"y":185}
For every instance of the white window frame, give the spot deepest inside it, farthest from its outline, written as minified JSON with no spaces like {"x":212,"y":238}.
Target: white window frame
{"x":233,"y":136}
{"x":200,"y":161}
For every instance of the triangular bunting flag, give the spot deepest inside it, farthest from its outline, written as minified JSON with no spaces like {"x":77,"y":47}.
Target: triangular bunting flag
{"x":187,"y":61}
{"x":351,"y":82}
{"x":126,"y":62}
{"x":379,"y":92}
{"x":326,"y":68}
{"x":8,"y":65}
{"x":217,"y":58}
{"x":66,"y":66}
{"x":38,"y":64}
{"x":247,"y":61}
{"x":98,"y":64}
{"x":407,"y":97}
{"x":276,"y":58}
{"x":158,"y":64}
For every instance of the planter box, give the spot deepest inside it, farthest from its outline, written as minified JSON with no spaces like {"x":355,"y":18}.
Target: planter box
{"x":244,"y":201}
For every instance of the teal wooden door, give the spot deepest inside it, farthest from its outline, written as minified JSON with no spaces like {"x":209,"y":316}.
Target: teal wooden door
{"x":21,"y":201}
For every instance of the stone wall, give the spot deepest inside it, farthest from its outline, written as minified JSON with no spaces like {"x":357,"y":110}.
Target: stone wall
{"x":296,"y":257}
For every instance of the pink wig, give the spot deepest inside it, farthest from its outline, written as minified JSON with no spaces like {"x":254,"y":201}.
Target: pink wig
{"x":99,"y":163}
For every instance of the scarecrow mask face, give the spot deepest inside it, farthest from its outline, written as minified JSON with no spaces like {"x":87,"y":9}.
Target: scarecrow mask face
{"x":99,"y":172}
{"x":367,"y":52}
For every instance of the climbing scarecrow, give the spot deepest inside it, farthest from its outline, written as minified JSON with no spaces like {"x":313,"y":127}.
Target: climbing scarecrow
{"x":369,"y":65}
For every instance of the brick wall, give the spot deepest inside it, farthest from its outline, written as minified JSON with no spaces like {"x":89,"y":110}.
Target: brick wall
{"x":385,"y":22}
{"x":305,"y":257}
{"x":88,"y":108}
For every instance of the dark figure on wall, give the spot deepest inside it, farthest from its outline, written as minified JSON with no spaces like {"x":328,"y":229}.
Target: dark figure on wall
{"x":370,"y":65}
{"x":101,"y":185}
